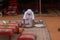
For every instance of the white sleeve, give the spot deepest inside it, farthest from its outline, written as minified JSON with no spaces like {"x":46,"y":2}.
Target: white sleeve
{"x":24,"y":17}
{"x":32,"y":15}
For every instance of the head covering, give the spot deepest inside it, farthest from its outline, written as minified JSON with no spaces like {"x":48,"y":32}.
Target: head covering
{"x":29,"y":11}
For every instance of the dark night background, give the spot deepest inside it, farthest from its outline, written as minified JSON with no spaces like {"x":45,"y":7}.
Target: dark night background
{"x":50,"y":1}
{"x":4,"y":3}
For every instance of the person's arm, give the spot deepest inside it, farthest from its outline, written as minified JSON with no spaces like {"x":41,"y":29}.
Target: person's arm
{"x":32,"y":18}
{"x":24,"y":17}
{"x":24,"y":22}
{"x":32,"y":23}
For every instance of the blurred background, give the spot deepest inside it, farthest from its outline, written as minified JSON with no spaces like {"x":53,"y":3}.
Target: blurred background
{"x":42,"y":7}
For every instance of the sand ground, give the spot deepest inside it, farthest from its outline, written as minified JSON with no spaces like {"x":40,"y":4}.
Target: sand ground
{"x":53,"y":23}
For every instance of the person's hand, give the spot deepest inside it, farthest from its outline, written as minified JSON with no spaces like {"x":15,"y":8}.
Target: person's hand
{"x":24,"y":25}
{"x":32,"y":25}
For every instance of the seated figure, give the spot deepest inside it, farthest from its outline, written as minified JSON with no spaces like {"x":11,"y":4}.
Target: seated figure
{"x":28,"y":18}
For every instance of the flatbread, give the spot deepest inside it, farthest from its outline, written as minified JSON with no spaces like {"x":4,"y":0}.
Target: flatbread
{"x":39,"y":25}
